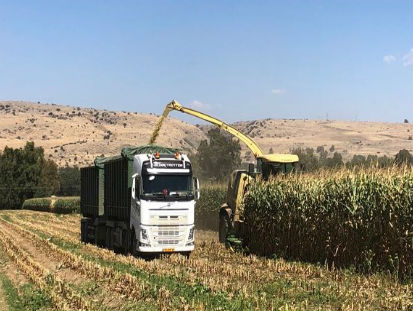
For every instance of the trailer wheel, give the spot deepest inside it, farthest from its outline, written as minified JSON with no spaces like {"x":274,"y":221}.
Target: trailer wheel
{"x":83,"y":231}
{"x":134,"y":245}
{"x":109,"y":239}
{"x":100,"y":235}
{"x":223,"y":227}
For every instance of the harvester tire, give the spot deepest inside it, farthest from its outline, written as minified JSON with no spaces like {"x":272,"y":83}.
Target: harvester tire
{"x":223,"y":227}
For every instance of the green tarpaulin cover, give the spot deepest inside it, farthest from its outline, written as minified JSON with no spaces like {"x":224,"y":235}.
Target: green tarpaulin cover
{"x":129,"y":152}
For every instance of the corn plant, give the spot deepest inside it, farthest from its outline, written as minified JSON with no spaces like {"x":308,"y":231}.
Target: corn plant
{"x":360,"y":218}
{"x":38,"y":204}
{"x":67,"y":205}
{"x":207,"y":208}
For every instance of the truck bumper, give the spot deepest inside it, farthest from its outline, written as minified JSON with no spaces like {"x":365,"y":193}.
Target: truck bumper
{"x":177,"y":249}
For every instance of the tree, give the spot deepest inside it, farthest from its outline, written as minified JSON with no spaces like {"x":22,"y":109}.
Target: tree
{"x":403,"y":157}
{"x":69,"y":181}
{"x":357,"y":160}
{"x":49,"y":180}
{"x":217,"y":158}
{"x":25,"y":173}
{"x":308,"y":159}
{"x":334,"y":162}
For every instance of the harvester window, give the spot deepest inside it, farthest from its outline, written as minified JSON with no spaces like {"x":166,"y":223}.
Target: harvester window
{"x":276,"y":168}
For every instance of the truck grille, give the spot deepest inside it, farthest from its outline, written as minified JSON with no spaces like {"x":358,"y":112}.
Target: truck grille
{"x":168,"y":242}
{"x":168,"y":235}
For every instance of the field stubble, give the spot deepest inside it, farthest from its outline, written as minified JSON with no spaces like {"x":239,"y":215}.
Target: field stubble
{"x":213,"y":278}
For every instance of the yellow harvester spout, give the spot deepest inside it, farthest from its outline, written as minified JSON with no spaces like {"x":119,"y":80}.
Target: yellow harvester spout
{"x":174,"y":105}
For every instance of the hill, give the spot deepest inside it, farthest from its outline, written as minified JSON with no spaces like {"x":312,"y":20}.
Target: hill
{"x":75,"y":135}
{"x":347,"y":137}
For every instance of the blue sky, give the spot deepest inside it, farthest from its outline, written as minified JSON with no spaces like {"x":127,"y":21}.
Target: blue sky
{"x":237,"y":60}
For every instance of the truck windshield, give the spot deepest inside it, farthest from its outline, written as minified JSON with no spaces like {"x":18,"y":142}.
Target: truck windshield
{"x":167,"y":185}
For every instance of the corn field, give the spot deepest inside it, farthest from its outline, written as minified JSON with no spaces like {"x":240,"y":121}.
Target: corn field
{"x":60,"y":205}
{"x":350,"y":218}
{"x":207,"y":207}
{"x":43,"y":250}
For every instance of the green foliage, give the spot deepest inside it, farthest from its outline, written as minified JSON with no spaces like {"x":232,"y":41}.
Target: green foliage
{"x":403,"y":157}
{"x":69,"y":181}
{"x":38,"y":204}
{"x":359,"y":218}
{"x":216,"y":159}
{"x":369,"y":161}
{"x":67,"y":205}
{"x":28,"y":297}
{"x":311,"y":161}
{"x":61,"y":205}
{"x":48,"y":183}
{"x":24,"y":173}
{"x":207,"y":207}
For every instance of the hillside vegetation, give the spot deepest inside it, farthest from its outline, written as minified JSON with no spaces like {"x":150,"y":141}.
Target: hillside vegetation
{"x":75,"y":136}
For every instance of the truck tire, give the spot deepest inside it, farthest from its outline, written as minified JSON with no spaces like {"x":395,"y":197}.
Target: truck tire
{"x":134,"y":245}
{"x":223,"y":227}
{"x":186,"y":254}
{"x":100,"y":235}
{"x":83,"y":231}
{"x":126,"y":241}
{"x":109,"y":240}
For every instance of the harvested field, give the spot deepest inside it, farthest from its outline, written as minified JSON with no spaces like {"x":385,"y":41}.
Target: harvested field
{"x":44,"y":250}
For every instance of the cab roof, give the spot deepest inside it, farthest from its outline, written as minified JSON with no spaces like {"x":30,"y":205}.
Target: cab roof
{"x":280,"y":158}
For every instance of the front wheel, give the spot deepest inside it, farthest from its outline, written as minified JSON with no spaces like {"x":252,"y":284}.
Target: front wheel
{"x":223,"y":227}
{"x":186,"y":254}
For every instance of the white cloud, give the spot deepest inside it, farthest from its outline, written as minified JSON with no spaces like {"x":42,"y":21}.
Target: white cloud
{"x":408,"y":58}
{"x":389,"y":59}
{"x":196,"y":104}
{"x":278,"y":91}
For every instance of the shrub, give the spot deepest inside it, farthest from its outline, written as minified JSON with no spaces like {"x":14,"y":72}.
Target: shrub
{"x":38,"y":204}
{"x":67,"y":205}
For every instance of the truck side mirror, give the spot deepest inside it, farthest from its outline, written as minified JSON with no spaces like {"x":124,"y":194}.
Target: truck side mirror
{"x":197,"y":190}
{"x":135,"y":186}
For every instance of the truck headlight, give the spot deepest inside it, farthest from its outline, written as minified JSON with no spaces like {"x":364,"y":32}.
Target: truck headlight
{"x":191,"y":234}
{"x":144,"y":234}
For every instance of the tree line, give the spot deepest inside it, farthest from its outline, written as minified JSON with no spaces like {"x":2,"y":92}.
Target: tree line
{"x":25,"y":173}
{"x":220,"y":154}
{"x":312,"y":160}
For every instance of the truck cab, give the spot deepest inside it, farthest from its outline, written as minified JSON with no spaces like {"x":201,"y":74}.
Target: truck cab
{"x":162,"y":205}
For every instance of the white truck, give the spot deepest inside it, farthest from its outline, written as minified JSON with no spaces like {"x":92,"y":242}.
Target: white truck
{"x":142,"y":201}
